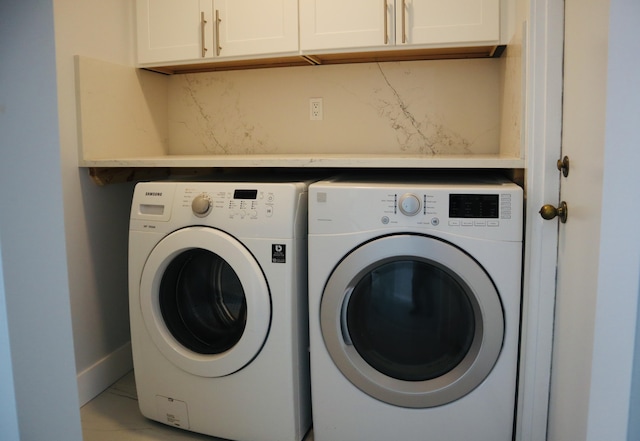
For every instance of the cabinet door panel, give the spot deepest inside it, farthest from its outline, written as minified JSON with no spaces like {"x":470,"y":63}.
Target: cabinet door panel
{"x":338,"y":24}
{"x":449,"y":21}
{"x":250,"y":27}
{"x":171,"y":30}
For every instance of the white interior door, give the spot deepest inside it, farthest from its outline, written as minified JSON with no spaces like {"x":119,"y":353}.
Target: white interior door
{"x":543,"y":53}
{"x":597,"y":278}
{"x":567,"y":92}
{"x":583,"y":135}
{"x":597,"y":257}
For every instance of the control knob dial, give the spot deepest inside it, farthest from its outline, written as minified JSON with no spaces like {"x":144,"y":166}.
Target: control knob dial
{"x":201,"y":205}
{"x":409,"y":204}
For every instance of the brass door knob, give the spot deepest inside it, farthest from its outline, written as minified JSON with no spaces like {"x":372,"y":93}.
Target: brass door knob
{"x":548,"y":212}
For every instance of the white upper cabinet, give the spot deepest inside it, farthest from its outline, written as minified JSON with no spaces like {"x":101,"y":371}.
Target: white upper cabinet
{"x":447,"y":21}
{"x":174,"y":30}
{"x":205,"y":30}
{"x":257,"y":27}
{"x":339,"y":24}
{"x":327,"y":25}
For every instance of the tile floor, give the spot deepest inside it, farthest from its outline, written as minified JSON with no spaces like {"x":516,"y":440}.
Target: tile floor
{"x":114,"y":416}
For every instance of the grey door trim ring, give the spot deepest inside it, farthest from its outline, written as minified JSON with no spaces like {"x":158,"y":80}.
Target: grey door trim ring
{"x":482,"y":294}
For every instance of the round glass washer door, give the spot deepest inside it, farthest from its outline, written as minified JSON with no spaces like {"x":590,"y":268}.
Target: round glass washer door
{"x":412,"y":320}
{"x":205,"y":301}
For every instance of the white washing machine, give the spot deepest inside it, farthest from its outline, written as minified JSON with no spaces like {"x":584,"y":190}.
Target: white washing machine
{"x":414,"y":299}
{"x":218,"y":305}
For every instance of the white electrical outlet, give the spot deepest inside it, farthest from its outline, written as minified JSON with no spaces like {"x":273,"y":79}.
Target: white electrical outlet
{"x":315,"y":109}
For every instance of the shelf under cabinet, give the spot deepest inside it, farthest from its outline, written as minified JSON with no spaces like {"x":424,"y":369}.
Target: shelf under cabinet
{"x":110,"y":171}
{"x":313,"y":161}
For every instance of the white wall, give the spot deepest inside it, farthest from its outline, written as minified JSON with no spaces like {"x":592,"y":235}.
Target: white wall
{"x":8,"y":412}
{"x":31,"y":228}
{"x":618,"y":285}
{"x":634,"y":406}
{"x":96,"y":218}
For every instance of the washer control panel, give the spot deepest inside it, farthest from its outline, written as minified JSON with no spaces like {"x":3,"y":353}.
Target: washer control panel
{"x":242,"y":208}
{"x":234,"y":203}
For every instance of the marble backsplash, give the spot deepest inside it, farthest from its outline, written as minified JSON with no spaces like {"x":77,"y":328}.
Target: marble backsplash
{"x":416,"y":107}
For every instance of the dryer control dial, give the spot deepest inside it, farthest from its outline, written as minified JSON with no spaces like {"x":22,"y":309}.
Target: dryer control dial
{"x":409,"y":204}
{"x":201,"y":205}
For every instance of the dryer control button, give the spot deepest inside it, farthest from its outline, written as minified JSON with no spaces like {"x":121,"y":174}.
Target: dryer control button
{"x":409,"y":204}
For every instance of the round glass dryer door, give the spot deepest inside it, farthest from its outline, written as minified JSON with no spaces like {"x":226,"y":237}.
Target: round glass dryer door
{"x":412,"y":320}
{"x":205,"y":301}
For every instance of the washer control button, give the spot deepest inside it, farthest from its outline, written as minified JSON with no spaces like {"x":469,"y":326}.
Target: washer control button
{"x":201,"y":205}
{"x":409,"y":204}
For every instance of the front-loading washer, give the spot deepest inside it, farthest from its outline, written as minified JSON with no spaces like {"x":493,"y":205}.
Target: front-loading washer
{"x":414,"y":300}
{"x":218,"y":307}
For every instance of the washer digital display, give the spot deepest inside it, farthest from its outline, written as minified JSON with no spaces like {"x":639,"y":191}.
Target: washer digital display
{"x":245,"y":194}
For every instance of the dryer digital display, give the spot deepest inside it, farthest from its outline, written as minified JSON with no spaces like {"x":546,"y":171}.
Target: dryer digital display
{"x":480,"y":206}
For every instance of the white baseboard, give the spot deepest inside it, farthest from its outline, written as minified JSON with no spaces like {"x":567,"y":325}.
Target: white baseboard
{"x":96,"y":378}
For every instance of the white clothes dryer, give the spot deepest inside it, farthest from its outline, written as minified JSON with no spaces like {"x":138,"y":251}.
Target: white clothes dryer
{"x":414,"y":300}
{"x":218,"y":306}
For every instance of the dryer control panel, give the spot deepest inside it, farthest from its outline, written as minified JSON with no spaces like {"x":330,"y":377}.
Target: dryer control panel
{"x":466,"y":209}
{"x":491,"y":210}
